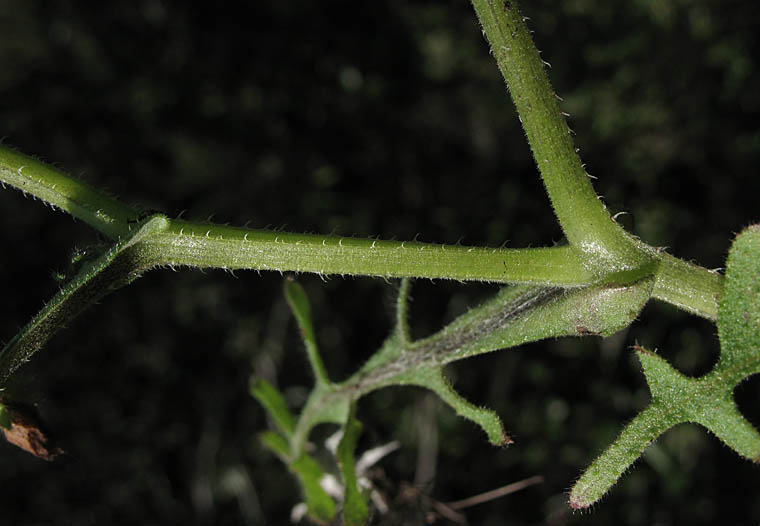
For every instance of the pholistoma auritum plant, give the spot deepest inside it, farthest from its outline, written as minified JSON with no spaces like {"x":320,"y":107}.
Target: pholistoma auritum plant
{"x":594,"y":284}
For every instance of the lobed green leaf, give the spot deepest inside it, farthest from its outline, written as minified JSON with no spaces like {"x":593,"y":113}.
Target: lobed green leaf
{"x":707,"y":400}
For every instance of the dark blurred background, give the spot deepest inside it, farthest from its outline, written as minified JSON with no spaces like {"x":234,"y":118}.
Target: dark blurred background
{"x":389,"y":119}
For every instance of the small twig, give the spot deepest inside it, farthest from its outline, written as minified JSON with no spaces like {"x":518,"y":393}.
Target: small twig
{"x":410,"y":493}
{"x":494,"y":493}
{"x":447,"y":512}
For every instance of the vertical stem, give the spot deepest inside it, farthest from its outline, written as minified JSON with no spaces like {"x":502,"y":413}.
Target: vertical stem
{"x":584,"y":219}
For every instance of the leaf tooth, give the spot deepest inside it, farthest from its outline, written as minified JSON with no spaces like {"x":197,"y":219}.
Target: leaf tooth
{"x":433,"y":378}
{"x":664,"y":381}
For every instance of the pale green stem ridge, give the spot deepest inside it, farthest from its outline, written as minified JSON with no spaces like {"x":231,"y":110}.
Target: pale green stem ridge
{"x":60,"y":190}
{"x":236,"y":248}
{"x":584,"y":218}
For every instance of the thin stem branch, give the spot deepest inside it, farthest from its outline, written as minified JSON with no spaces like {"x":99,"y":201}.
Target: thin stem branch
{"x":487,"y":496}
{"x":101,"y":211}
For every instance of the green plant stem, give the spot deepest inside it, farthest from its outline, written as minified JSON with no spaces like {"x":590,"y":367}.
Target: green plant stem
{"x":689,"y":287}
{"x":202,"y":245}
{"x":61,"y":190}
{"x":584,"y":218}
{"x":231,"y":248}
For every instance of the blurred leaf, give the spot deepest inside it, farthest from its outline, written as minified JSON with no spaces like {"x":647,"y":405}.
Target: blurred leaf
{"x":299,"y":304}
{"x":321,"y":506}
{"x":275,"y":405}
{"x":355,"y":511}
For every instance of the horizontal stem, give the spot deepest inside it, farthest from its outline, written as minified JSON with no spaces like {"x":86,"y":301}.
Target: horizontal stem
{"x":200,"y":245}
{"x":99,"y":210}
{"x":689,"y":287}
